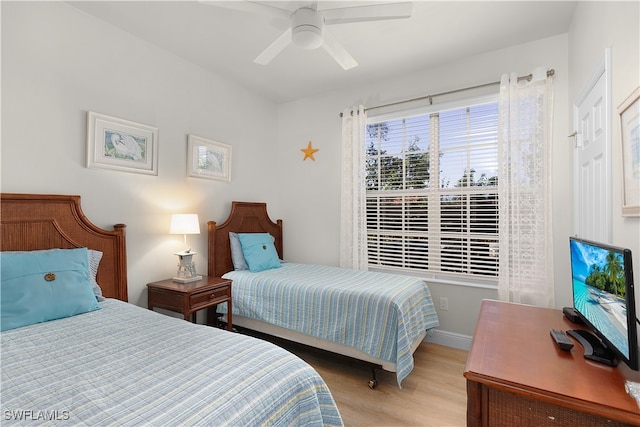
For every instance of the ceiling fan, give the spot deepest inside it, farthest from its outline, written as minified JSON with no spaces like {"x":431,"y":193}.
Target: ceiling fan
{"x":307,"y":24}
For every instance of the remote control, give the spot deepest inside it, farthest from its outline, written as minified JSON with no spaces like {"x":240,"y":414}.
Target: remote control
{"x":561,"y":339}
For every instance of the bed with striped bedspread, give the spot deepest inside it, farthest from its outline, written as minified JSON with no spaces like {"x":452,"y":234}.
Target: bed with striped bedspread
{"x":380,"y":314}
{"x":127,"y":366}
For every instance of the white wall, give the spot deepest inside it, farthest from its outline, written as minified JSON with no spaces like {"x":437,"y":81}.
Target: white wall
{"x":597,"y":26}
{"x":58,"y":63}
{"x":312,"y":198}
{"x":312,"y":203}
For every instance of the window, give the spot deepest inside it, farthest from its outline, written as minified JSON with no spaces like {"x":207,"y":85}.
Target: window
{"x":432,"y":203}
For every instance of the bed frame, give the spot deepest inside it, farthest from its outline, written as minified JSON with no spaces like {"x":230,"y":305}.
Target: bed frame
{"x":252,"y":217}
{"x":46,"y":221}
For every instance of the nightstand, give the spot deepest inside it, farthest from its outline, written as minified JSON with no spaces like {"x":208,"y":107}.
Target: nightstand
{"x":187,"y":298}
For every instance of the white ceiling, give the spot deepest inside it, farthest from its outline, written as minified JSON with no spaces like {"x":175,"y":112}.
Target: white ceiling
{"x":226,"y":41}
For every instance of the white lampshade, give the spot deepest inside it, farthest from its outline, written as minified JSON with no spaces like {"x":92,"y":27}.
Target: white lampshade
{"x":184,"y":224}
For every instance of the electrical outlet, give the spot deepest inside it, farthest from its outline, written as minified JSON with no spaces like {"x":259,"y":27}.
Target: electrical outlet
{"x":444,"y":304}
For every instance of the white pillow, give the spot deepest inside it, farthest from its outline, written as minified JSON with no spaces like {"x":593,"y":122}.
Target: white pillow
{"x":94,"y":263}
{"x":237,"y":258}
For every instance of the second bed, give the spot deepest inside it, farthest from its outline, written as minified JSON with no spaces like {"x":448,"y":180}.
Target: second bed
{"x":375,"y":317}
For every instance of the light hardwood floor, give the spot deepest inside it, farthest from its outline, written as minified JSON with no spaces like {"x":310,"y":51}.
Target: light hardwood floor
{"x":434,"y":394}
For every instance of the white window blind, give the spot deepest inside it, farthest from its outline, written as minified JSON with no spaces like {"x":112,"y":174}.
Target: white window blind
{"x":432,"y":201}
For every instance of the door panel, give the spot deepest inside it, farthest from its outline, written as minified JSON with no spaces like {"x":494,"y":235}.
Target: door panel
{"x":592,"y":162}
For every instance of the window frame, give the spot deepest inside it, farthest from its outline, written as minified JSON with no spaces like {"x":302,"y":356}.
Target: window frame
{"x":463,"y":279}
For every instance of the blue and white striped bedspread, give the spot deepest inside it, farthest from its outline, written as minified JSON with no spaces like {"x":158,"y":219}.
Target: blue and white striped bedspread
{"x":127,"y":366}
{"x":380,"y":314}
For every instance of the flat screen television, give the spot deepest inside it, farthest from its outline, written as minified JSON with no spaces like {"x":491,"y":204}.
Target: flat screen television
{"x":603,"y":298}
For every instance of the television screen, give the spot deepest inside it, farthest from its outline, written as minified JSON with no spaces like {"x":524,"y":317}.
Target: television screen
{"x":603,"y":295}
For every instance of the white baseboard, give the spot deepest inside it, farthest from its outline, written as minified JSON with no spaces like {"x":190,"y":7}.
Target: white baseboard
{"x":449,"y":339}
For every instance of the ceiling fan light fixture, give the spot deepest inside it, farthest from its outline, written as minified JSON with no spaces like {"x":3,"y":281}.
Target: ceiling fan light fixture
{"x":306,"y":26}
{"x":307,"y":37}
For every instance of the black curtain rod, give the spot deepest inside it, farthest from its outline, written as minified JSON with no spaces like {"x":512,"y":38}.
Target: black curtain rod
{"x":550,"y":73}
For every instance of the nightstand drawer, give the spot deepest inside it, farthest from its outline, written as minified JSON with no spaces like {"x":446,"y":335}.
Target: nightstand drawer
{"x":210,"y":297}
{"x":166,"y":300}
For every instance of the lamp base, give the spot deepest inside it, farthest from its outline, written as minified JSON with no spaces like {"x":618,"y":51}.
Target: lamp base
{"x":187,"y":280}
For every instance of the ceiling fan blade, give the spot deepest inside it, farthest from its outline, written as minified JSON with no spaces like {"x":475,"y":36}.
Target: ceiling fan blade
{"x":338,"y":52}
{"x":274,"y":48}
{"x":250,"y":6}
{"x":376,"y":12}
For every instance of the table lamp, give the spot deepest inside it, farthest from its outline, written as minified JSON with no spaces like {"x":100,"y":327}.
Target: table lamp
{"x":185,"y":224}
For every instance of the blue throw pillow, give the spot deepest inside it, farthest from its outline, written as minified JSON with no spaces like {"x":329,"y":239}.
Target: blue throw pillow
{"x":39,"y":286}
{"x":259,"y":251}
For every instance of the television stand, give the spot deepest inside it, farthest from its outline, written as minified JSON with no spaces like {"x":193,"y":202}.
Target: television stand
{"x":517,"y":376}
{"x":594,"y":349}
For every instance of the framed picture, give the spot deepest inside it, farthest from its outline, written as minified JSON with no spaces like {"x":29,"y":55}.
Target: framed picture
{"x":629,"y":112}
{"x":208,"y":159}
{"x":122,"y":145}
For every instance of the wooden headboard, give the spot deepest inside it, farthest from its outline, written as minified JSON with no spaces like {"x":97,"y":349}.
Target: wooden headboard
{"x":245,"y":217}
{"x":47,"y":221}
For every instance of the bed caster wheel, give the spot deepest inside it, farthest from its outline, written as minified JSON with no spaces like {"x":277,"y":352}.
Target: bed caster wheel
{"x":373,"y":382}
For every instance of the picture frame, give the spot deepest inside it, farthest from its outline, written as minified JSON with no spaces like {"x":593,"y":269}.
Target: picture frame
{"x":122,"y":145}
{"x":629,"y":112}
{"x":208,"y":159}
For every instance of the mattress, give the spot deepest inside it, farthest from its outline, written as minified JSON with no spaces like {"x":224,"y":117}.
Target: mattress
{"x":127,"y":366}
{"x":379,"y":314}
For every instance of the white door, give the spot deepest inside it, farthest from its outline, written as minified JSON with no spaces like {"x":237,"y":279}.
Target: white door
{"x":592,"y":158}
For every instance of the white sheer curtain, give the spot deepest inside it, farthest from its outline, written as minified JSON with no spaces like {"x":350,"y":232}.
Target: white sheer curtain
{"x":524,"y":144}
{"x":353,"y":227}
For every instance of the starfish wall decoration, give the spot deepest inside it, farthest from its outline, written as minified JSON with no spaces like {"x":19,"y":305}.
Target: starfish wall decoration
{"x":308,"y":152}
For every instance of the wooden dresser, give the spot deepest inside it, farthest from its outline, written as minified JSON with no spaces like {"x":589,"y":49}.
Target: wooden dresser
{"x":517,"y":376}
